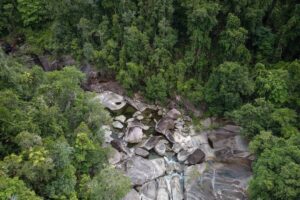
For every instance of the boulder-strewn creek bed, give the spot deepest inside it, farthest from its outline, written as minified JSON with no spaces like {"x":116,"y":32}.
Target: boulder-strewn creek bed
{"x":166,"y":158}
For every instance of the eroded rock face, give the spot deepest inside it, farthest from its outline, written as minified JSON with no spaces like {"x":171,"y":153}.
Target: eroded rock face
{"x":141,"y":152}
{"x":196,"y":157}
{"x":134,"y":135}
{"x":151,"y":142}
{"x":160,"y":148}
{"x":132,"y":195}
{"x":177,"y":190}
{"x":149,"y":190}
{"x":163,"y":192}
{"x":111,"y":100}
{"x":164,"y":125}
{"x":141,"y":170}
{"x":219,"y":181}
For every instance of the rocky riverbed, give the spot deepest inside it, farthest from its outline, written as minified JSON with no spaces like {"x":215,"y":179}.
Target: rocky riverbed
{"x":167,"y":158}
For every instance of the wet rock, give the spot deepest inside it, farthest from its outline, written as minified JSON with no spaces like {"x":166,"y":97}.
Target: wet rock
{"x":117,"y":124}
{"x":220,"y":181}
{"x":163,"y":192}
{"x":149,"y":190}
{"x":111,"y":100}
{"x":160,"y":147}
{"x":132,"y":195}
{"x":151,"y":142}
{"x":120,"y":118}
{"x":177,"y":190}
{"x":173,"y":166}
{"x":173,"y":114}
{"x":134,"y":135}
{"x":196,"y":157}
{"x":141,"y":152}
{"x":141,"y":170}
{"x":192,"y":174}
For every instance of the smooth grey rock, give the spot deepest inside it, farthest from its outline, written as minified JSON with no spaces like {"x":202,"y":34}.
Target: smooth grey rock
{"x":111,"y":100}
{"x":140,"y":117}
{"x":201,"y":141}
{"x":120,"y":145}
{"x":141,"y":170}
{"x":173,"y":114}
{"x":160,"y":147}
{"x":196,"y":157}
{"x":120,"y":134}
{"x":114,"y":157}
{"x":120,"y":118}
{"x":149,"y":190}
{"x":130,"y":120}
{"x":164,"y":125}
{"x":141,"y":152}
{"x":229,"y":145}
{"x":176,"y":188}
{"x":138,"y":105}
{"x":183,"y":155}
{"x":132,"y":195}
{"x":137,"y":124}
{"x":192,"y":174}
{"x":176,"y":147}
{"x":151,"y":142}
{"x":163,"y":192}
{"x":134,"y":135}
{"x":218,"y":181}
{"x":137,"y":113}
{"x":117,"y":124}
{"x":173,"y":166}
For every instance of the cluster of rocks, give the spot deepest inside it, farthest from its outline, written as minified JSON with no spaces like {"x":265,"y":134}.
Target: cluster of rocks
{"x":167,"y":159}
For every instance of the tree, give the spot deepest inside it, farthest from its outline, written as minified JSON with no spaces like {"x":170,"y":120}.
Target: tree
{"x":227,"y":86}
{"x":156,"y":88}
{"x":14,"y":188}
{"x":232,"y":41}
{"x":272,"y":84}
{"x":277,"y":171}
{"x":253,"y":117}
{"x":109,"y":184}
{"x":33,"y":12}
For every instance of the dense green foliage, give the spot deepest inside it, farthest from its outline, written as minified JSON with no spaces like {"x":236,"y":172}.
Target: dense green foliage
{"x":51,"y":136}
{"x":240,"y":58}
